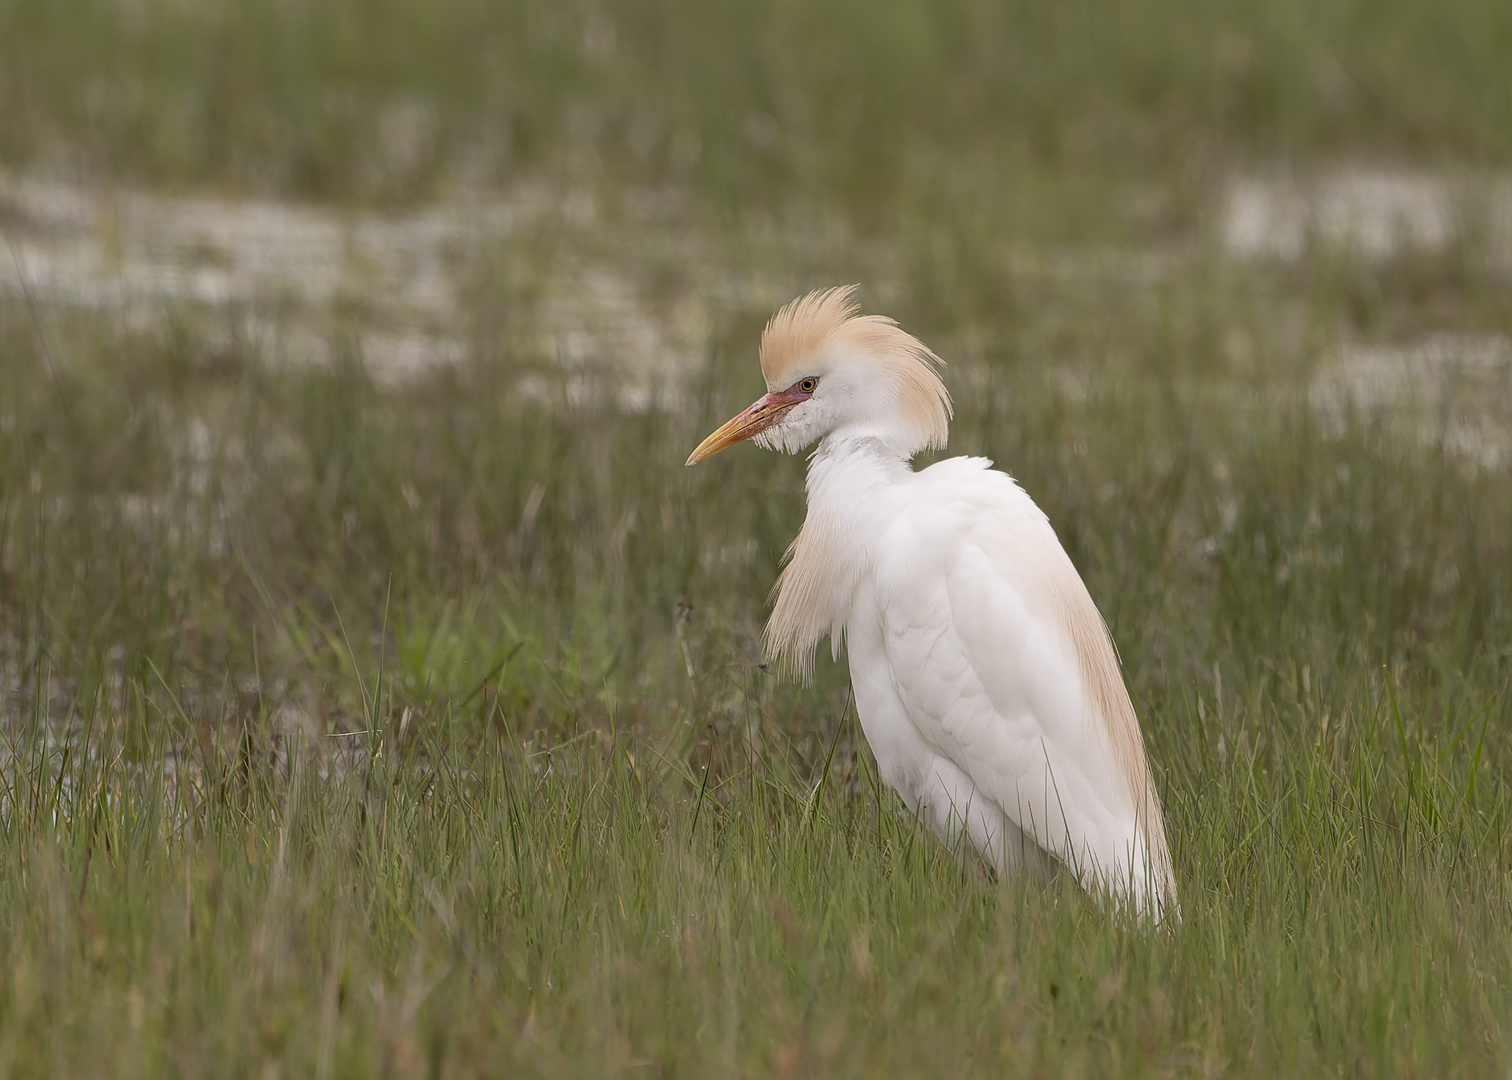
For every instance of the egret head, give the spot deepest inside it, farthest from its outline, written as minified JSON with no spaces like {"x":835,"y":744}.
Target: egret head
{"x":830,"y":369}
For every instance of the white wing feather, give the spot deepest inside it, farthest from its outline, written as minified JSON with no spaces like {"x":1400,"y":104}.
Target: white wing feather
{"x":972,"y":597}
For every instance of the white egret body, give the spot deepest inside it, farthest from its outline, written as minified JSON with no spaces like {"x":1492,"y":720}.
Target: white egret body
{"x":985,"y":678}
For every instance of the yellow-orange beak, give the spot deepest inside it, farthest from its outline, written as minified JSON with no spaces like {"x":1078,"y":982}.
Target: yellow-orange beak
{"x":760,"y":416}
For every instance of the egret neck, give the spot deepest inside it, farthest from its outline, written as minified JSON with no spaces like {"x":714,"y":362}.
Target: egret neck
{"x":853,"y":482}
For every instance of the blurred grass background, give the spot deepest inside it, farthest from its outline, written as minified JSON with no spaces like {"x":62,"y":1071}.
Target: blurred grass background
{"x":859,"y":106}
{"x":355,"y":727}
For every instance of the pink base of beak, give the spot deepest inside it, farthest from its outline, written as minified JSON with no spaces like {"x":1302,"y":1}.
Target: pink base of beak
{"x":753,"y":421}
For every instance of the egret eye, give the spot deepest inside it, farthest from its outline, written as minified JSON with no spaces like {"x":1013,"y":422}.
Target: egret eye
{"x":809,"y":385}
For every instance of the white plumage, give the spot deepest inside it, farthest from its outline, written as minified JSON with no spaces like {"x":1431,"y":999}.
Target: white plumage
{"x":984,"y":676}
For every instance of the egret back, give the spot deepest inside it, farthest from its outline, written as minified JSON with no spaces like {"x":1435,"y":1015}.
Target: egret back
{"x":977,"y":623}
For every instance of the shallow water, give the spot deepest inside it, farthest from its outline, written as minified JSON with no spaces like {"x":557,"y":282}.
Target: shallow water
{"x":1449,"y":391}
{"x":302,"y":281}
{"x":1371,"y":214}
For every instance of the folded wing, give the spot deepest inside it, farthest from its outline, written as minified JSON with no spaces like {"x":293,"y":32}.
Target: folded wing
{"x":1005,"y":667}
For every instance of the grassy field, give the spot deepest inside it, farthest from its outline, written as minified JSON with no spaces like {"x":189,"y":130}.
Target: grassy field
{"x":356,"y":727}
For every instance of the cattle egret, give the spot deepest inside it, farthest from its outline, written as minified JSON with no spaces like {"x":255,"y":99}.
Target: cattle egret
{"x":984,"y":676}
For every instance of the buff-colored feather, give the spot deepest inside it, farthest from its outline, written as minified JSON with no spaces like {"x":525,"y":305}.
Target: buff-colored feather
{"x":1114,"y":717}
{"x":808,"y":598}
{"x":831,"y":319}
